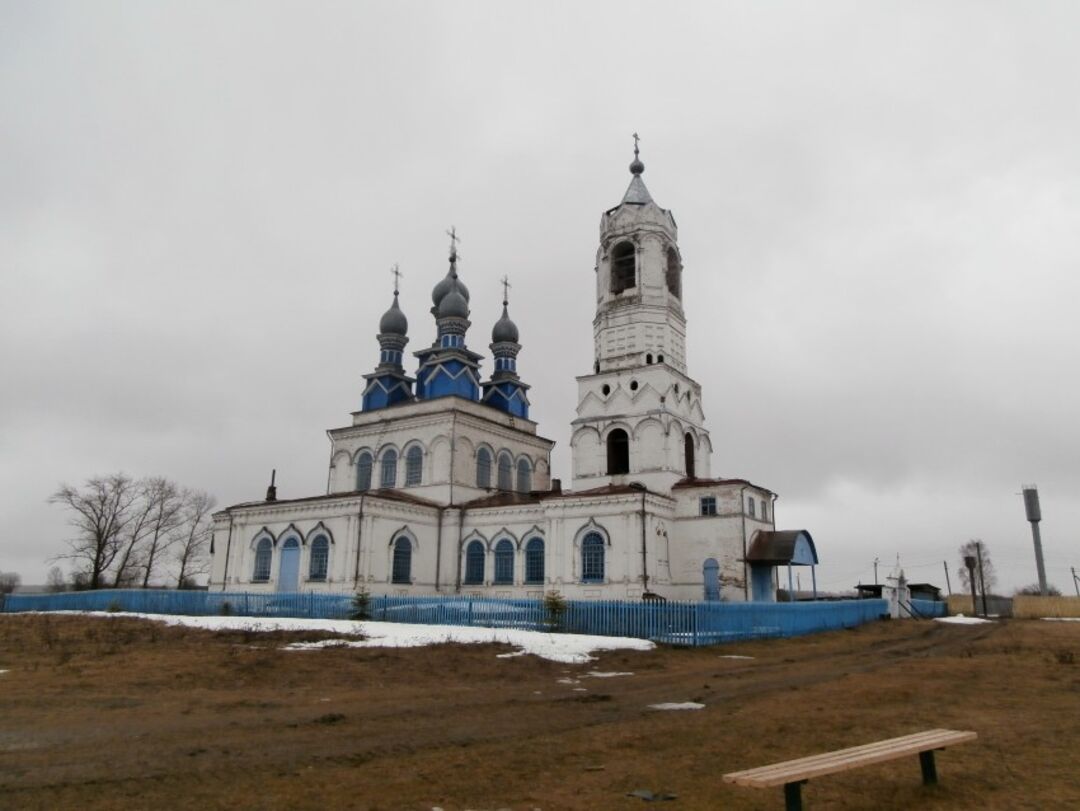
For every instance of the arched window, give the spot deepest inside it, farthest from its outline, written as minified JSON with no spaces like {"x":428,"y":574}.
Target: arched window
{"x":483,"y":468}
{"x":688,"y":454}
{"x":474,"y":564}
{"x":401,"y":571}
{"x":524,"y":476}
{"x":752,"y":507}
{"x":263,"y":553}
{"x":506,"y":472}
{"x":659,"y":358}
{"x":363,"y":471}
{"x":504,"y":562}
{"x":534,"y":561}
{"x":673,"y":276}
{"x":618,"y":452}
{"x":388,"y":477}
{"x":320,"y":558}
{"x":648,"y":358}
{"x":414,"y":466}
{"x":592,"y":558}
{"x":622,"y":267}
{"x":764,"y":511}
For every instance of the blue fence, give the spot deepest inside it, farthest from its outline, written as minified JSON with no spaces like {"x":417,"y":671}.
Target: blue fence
{"x":672,"y":623}
{"x":929,"y":608}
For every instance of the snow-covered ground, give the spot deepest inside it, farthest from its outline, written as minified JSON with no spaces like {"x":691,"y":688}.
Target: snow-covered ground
{"x":683,"y":705}
{"x":569,"y":648}
{"x":1062,"y":619}
{"x":960,"y":619}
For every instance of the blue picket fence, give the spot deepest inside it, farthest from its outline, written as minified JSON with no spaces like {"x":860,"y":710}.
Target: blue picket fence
{"x":929,"y":608}
{"x":672,"y":623}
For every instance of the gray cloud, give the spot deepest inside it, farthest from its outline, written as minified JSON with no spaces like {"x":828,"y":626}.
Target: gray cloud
{"x":199,"y":205}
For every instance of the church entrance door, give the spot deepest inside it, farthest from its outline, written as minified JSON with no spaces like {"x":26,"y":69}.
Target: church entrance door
{"x":711,"y":572}
{"x":289,"y":573}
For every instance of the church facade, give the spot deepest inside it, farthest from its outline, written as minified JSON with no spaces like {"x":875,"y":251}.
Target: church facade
{"x":442,"y":484}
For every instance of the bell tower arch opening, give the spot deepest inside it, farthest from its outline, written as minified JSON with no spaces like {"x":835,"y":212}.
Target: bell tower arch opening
{"x":618,"y":452}
{"x":623,"y":271}
{"x":673,"y":274}
{"x":688,"y":454}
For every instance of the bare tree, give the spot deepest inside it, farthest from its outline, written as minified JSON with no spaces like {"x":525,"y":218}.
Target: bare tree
{"x":100,"y":511}
{"x":9,"y":581}
{"x":167,"y":505}
{"x":54,"y":582}
{"x":989,"y":576}
{"x":192,"y":536}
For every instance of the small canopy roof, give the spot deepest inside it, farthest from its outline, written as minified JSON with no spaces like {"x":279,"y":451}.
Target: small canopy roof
{"x":790,"y":547}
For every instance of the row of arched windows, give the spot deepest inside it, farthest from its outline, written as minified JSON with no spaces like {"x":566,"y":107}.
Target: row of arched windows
{"x":318,"y":558}
{"x":509,"y":476}
{"x":618,"y":454}
{"x":503,"y":560}
{"x":388,"y":466}
{"x":506,"y":470}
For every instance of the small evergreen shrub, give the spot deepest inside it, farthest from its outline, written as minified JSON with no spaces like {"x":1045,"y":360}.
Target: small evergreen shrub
{"x":555,"y":609}
{"x":361,"y":605}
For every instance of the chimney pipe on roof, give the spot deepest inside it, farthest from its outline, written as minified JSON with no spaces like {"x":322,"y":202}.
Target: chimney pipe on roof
{"x":271,"y":491}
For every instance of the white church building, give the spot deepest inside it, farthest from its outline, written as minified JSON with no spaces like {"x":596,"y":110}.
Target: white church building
{"x":441,"y":484}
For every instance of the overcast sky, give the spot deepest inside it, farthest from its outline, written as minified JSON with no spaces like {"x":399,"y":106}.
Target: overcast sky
{"x":878,"y":207}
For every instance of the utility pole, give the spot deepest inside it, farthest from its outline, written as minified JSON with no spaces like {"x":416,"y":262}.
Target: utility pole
{"x":982,"y":580}
{"x":1034,"y":516}
{"x":969,"y":561}
{"x":1076,"y":581}
{"x":948,"y":585}
{"x":875,"y":571}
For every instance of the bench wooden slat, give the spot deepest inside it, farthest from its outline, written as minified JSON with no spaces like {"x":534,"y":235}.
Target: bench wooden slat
{"x":843,"y":759}
{"x":926,"y":740}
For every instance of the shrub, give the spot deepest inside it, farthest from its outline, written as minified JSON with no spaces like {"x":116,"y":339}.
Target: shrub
{"x":361,"y":605}
{"x":555,"y":608}
{"x":226,"y":609}
{"x":114,"y":607}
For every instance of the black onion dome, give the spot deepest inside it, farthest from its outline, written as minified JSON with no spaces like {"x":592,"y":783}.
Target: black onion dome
{"x":394,"y":321}
{"x":504,"y":330}
{"x":443,"y":287}
{"x":455,"y":304}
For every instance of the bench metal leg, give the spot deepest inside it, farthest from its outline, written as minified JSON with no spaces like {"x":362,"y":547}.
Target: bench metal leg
{"x":793,"y":795}
{"x":929,"y":769}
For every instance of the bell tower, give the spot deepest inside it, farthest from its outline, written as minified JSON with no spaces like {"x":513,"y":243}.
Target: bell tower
{"x":639,"y":415}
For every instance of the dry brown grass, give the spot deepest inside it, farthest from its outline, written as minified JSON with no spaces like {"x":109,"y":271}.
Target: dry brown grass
{"x":120,"y":713}
{"x":1032,"y":607}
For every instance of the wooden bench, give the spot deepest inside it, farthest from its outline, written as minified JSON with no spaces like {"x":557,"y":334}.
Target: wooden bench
{"x":791,"y":774}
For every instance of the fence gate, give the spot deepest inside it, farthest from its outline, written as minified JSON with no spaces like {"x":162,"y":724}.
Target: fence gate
{"x":711,"y":570}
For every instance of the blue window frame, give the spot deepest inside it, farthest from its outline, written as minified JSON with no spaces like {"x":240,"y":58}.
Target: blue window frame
{"x":534,"y":561}
{"x":389,"y":469}
{"x":363,"y":471}
{"x":524,"y":476}
{"x":483,"y":468}
{"x":592,"y":558}
{"x":263,"y":554}
{"x":474,"y":564}
{"x":504,"y":562}
{"x":402,"y":568}
{"x":320,"y":558}
{"x":708,"y":505}
{"x":506,"y":468}
{"x":414,"y":466}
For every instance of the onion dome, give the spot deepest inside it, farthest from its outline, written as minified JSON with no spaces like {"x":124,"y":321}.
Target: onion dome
{"x":443,"y":287}
{"x":394,"y":321}
{"x":505,"y":330}
{"x":455,"y":304}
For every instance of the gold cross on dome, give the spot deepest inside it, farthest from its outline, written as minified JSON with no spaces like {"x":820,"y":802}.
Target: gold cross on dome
{"x":506,"y":287}
{"x":397,"y":276}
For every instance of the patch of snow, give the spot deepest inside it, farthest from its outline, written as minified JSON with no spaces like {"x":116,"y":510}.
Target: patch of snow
{"x":735,"y":656}
{"x":509,"y":655}
{"x":1048,"y":619}
{"x":567,"y":648}
{"x":960,"y":619}
{"x":567,"y":681}
{"x":685,"y":705}
{"x":5,"y":671}
{"x":596,"y":674}
{"x":580,"y":690}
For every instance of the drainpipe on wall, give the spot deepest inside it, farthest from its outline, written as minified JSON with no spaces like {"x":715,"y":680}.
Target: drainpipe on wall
{"x":359,"y":536}
{"x":438,"y":548}
{"x":460,"y":538}
{"x":745,"y":565}
{"x":228,"y":551}
{"x":644,"y":556}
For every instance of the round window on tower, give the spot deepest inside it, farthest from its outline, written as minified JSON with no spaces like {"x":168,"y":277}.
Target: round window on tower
{"x":633,"y":385}
{"x":606,"y":389}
